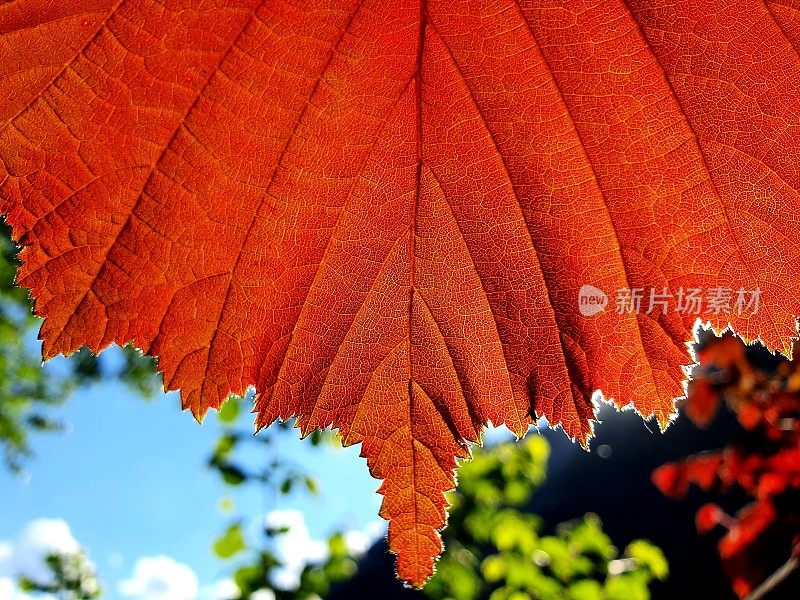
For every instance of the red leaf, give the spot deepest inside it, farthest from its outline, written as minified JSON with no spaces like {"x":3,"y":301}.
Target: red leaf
{"x":380,"y":213}
{"x":670,"y":479}
{"x":708,"y":517}
{"x":725,"y":353}
{"x":673,"y":479}
{"x":702,"y":402}
{"x":733,"y":548}
{"x":752,"y":521}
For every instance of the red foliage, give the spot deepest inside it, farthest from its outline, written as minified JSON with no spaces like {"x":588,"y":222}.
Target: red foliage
{"x":763,"y":462}
{"x":673,"y":479}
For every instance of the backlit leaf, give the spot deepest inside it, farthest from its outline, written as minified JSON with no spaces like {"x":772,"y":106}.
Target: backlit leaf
{"x":381,"y":213}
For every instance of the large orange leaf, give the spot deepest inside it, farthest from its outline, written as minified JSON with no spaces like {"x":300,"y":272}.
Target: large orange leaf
{"x":380,"y":212}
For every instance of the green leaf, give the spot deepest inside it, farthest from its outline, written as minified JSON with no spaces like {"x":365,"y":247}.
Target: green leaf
{"x":225,"y":445}
{"x":494,"y":568}
{"x":587,"y":537}
{"x":229,"y":411}
{"x":311,"y":485}
{"x":585,"y":589}
{"x":649,"y":556}
{"x":231,"y":542}
{"x":337,"y":546}
{"x":630,"y":586}
{"x":231,"y":474}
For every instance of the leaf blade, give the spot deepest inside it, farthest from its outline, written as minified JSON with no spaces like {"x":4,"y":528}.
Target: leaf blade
{"x":380,"y":214}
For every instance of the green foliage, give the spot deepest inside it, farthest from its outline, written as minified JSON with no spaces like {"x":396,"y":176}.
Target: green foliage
{"x":24,"y":389}
{"x":277,"y":475}
{"x":495,"y":550}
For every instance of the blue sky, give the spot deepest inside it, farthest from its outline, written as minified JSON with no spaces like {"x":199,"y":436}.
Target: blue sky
{"x":129,"y":478}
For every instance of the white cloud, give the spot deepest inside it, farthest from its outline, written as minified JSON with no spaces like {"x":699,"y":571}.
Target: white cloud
{"x":225,"y":589}
{"x":39,"y":539}
{"x":25,"y":556}
{"x":9,"y":590}
{"x":296,"y":548}
{"x":359,"y":540}
{"x":160,"y":578}
{"x":6,"y":555}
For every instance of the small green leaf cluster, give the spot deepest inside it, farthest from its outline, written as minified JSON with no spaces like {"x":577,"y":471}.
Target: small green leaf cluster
{"x":240,"y":458}
{"x":73,"y":578}
{"x":496,"y":550}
